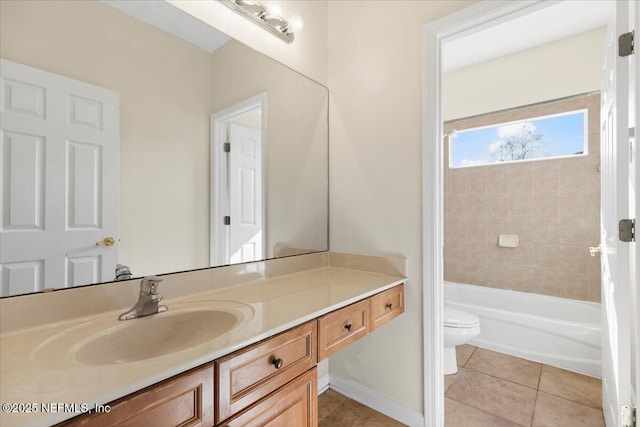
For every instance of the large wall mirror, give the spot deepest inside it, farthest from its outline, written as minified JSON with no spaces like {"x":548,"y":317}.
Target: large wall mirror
{"x":135,"y":135}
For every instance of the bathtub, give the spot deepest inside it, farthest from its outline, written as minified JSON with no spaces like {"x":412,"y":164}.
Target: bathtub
{"x":556,"y":331}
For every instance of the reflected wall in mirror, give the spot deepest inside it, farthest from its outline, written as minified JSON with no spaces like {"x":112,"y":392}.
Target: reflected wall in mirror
{"x":111,"y":127}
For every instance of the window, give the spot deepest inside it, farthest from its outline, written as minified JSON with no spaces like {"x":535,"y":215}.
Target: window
{"x":560,"y":135}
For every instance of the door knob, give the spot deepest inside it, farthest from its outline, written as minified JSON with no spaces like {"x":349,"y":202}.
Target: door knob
{"x":593,"y":250}
{"x":108,"y":241}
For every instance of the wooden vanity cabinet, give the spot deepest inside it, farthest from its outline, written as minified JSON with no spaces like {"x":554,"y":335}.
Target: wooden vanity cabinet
{"x":185,"y":400}
{"x":273,"y":382}
{"x":341,"y":327}
{"x":295,"y":404}
{"x":248,"y":375}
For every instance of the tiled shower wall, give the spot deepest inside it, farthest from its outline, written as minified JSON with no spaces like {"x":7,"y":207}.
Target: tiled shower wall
{"x":552,"y":205}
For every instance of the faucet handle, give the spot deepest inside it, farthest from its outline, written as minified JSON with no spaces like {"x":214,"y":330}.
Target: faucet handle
{"x":149,"y":285}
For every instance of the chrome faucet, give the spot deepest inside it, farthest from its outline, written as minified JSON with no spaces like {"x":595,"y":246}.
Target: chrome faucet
{"x":123,"y":272}
{"x":148,"y":301}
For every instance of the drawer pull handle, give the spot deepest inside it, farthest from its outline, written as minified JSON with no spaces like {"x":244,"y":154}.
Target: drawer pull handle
{"x":389,"y":305}
{"x":348,"y":326}
{"x":277,"y":363}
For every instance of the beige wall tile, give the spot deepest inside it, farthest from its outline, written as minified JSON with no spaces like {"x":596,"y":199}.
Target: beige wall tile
{"x":552,"y":205}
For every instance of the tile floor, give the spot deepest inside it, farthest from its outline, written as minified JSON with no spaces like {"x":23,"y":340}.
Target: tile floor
{"x":496,"y":389}
{"x":336,"y":410}
{"x":492,"y":390}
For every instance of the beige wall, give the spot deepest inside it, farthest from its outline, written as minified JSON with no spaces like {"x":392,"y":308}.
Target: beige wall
{"x":307,"y":55}
{"x":164,"y":118}
{"x":297,"y":134}
{"x":554,"y":70}
{"x":552,"y":205}
{"x":375,"y":57}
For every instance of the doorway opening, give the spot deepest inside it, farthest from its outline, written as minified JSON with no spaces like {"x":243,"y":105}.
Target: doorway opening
{"x":438,"y":34}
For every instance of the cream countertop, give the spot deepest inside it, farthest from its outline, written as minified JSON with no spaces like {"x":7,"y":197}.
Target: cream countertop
{"x":37,"y":365}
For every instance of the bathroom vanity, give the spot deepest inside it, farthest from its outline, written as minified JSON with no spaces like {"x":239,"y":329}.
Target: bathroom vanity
{"x":261,"y":369}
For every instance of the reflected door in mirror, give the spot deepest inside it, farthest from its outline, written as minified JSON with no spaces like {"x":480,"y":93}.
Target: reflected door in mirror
{"x":60,"y":180}
{"x":246,"y":242}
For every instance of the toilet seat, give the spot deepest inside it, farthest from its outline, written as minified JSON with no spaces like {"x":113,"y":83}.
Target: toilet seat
{"x":454,"y":318}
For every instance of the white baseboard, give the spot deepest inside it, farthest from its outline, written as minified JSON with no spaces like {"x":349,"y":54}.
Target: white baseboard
{"x":323,"y":383}
{"x":376,"y":401}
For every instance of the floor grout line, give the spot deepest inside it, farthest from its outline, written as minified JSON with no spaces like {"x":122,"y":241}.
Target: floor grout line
{"x":499,"y":378}
{"x":335,"y":407}
{"x":469,"y":358}
{"x":571,"y":400}
{"x":535,"y":404}
{"x":540,"y":377}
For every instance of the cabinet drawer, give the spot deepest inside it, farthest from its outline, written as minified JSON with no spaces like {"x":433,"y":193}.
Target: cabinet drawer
{"x":248,"y":375}
{"x":386,"y":305}
{"x":186,"y":400}
{"x":295,"y":404}
{"x":340,"y":328}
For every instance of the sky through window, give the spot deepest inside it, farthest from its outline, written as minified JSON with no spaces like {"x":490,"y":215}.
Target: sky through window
{"x":539,"y":138}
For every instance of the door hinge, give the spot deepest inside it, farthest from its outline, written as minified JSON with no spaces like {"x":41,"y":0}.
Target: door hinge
{"x":627,"y":416}
{"x":627,"y":230}
{"x":625,"y":44}
{"x":227,"y":147}
{"x":227,"y":220}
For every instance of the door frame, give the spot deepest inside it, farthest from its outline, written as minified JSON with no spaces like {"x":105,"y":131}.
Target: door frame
{"x":218,"y":174}
{"x":451,"y":27}
{"x":634,"y":68}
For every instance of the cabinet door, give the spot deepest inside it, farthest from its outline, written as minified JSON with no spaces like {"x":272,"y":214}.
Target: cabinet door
{"x":295,"y":404}
{"x":185,"y":401}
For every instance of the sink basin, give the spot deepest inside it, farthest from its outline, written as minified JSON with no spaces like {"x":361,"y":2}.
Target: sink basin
{"x":105,"y":340}
{"x":156,"y":335}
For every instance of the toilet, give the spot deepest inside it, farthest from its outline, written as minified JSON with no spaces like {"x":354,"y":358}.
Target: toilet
{"x":460,"y":327}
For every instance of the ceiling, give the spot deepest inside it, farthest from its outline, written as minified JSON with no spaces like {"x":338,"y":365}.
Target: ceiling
{"x":558,"y":21}
{"x":174,"y":21}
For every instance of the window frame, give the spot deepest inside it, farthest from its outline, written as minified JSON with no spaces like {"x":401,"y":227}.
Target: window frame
{"x":585,"y":152}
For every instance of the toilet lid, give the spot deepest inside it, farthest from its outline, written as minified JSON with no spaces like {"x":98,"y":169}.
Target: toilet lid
{"x":455,"y":318}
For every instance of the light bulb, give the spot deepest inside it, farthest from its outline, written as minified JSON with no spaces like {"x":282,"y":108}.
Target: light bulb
{"x":274,"y":10}
{"x":296,"y":24}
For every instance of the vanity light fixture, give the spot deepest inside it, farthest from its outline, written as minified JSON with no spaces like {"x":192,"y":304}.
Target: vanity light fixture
{"x":268,"y":17}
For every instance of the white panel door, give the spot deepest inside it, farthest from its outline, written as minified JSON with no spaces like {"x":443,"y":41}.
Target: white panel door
{"x":246,"y":239}
{"x":59,"y":180}
{"x":615,"y":171}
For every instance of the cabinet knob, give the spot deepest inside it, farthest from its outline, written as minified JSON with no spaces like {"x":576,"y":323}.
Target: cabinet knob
{"x":348,"y":326}
{"x":389,"y":305}
{"x":277,"y":362}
